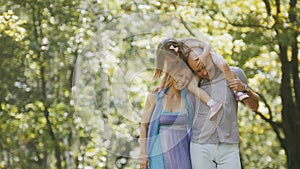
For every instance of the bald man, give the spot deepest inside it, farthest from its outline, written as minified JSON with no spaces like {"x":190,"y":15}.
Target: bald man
{"x":214,"y":144}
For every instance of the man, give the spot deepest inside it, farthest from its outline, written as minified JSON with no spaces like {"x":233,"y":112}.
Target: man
{"x":215,"y":143}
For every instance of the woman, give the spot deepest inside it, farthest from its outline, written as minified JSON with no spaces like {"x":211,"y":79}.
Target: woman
{"x":166,"y":124}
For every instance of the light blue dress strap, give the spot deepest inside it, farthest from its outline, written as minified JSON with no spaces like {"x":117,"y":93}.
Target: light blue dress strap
{"x":154,"y":149}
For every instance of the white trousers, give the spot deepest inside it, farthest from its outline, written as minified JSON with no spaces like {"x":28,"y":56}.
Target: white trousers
{"x":215,"y":156}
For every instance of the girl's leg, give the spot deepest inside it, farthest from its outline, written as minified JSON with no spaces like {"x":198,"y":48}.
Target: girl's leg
{"x":205,"y":97}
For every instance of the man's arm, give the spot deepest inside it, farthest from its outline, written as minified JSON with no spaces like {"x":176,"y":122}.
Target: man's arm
{"x":253,"y":101}
{"x":240,"y":84}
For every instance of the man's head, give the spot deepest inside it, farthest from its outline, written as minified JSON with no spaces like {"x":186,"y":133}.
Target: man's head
{"x":203,"y":68}
{"x":192,"y":50}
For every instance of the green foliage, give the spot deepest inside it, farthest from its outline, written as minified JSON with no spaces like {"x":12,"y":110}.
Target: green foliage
{"x":74,"y":75}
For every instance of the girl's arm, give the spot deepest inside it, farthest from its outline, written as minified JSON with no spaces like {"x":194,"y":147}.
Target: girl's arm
{"x":146,"y":117}
{"x":198,"y":92}
{"x":205,"y":49}
{"x":221,"y":63}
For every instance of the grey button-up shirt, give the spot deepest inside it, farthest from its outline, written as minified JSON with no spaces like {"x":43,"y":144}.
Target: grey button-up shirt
{"x":225,"y":128}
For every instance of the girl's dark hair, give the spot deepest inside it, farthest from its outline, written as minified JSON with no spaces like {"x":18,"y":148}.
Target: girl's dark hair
{"x":168,"y":48}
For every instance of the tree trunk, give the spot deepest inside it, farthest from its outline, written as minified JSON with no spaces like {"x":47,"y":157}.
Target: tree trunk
{"x":49,"y":124}
{"x":289,"y":90}
{"x":290,"y":113}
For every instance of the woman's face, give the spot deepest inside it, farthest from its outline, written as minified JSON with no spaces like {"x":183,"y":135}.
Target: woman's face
{"x":181,"y":78}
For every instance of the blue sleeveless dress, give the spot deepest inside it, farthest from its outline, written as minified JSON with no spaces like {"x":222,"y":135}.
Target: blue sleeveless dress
{"x":168,"y":140}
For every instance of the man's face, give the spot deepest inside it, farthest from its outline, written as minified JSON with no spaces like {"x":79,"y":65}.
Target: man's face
{"x":203,"y":68}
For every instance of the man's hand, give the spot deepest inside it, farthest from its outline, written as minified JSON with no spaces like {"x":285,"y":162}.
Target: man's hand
{"x":253,"y":101}
{"x":236,"y":85}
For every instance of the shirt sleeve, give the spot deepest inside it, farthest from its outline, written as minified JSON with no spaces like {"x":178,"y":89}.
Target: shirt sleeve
{"x":240,"y":73}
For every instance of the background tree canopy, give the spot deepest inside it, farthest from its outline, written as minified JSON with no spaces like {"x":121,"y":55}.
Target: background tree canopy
{"x":74,"y":75}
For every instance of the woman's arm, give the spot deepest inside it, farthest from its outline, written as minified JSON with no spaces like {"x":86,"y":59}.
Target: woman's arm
{"x":146,"y":117}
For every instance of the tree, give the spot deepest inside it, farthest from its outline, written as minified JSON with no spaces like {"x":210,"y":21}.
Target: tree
{"x":40,"y":46}
{"x":287,"y":39}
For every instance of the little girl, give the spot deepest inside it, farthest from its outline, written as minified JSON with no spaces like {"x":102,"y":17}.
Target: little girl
{"x":170,"y":53}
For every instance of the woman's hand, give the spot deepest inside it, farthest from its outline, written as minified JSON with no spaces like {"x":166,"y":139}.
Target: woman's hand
{"x":156,"y":89}
{"x":144,"y":163}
